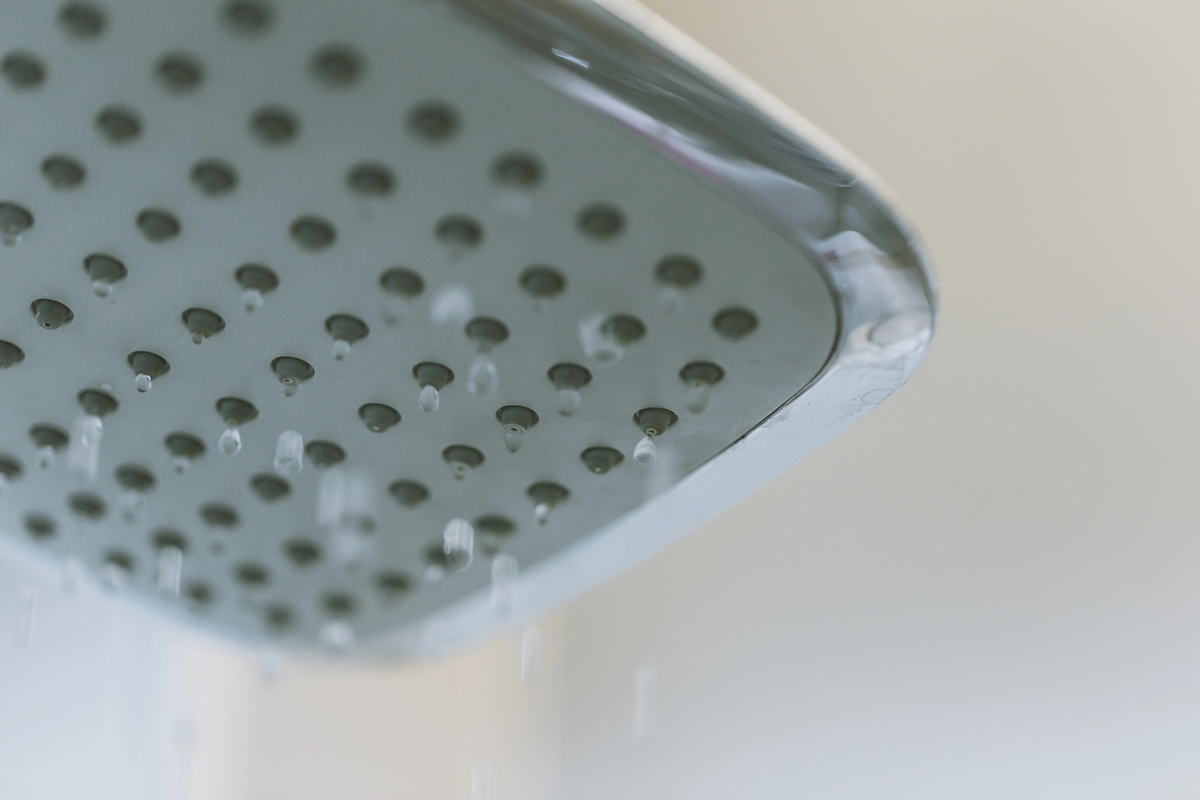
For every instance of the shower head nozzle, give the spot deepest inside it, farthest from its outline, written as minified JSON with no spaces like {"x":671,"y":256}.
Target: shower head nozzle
{"x":311,"y":308}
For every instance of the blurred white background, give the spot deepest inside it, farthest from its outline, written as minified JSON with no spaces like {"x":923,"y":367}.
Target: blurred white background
{"x":989,"y":587}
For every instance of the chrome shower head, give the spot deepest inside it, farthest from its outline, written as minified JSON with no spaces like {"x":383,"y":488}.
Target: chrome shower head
{"x":312,"y":311}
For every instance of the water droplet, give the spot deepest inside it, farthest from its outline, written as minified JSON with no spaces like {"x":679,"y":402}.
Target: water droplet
{"x":482,"y":377}
{"x":338,"y":636}
{"x":181,"y":464}
{"x":392,"y":311}
{"x":569,"y":401}
{"x":596,"y":343}
{"x":197,"y":337}
{"x":645,"y":452}
{"x":541,"y":513}
{"x":132,"y":504}
{"x":458,"y":542}
{"x":453,"y":303}
{"x":645,"y":689}
{"x":429,"y":398}
{"x":697,"y":397}
{"x":142,"y":382}
{"x":45,"y":457}
{"x":331,"y":498}
{"x":348,"y":545}
{"x":514,"y":437}
{"x":83,"y":453}
{"x":483,"y":782}
{"x":341,"y":349}
{"x":114,"y":576}
{"x":504,"y":576}
{"x":27,"y":598}
{"x":102,"y":288}
{"x":170,"y":568}
{"x":230,"y":442}
{"x":289,"y":454}
{"x":531,"y":655}
{"x":671,"y":300}
{"x":252,"y":300}
{"x":434,"y":573}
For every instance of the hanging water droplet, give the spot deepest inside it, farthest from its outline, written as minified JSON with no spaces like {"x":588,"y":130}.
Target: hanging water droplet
{"x":102,"y":288}
{"x":504,"y":577}
{"x":429,"y":398}
{"x":514,"y":437}
{"x":434,"y":573}
{"x":595,"y":341}
{"x":531,"y":655}
{"x":27,"y":598}
{"x":645,"y":685}
{"x":230,"y":442}
{"x":569,"y":401}
{"x":541,"y":513}
{"x":453,"y":303}
{"x":142,"y":382}
{"x":458,"y":543}
{"x":482,"y":377}
{"x":132,"y":504}
{"x":338,"y":636}
{"x":289,"y":454}
{"x":671,"y":300}
{"x":252,"y":300}
{"x":170,"y":568}
{"x":341,"y":349}
{"x":181,"y":464}
{"x":197,"y":337}
{"x":45,"y":457}
{"x":645,"y":452}
{"x":83,"y":453}
{"x":697,"y":397}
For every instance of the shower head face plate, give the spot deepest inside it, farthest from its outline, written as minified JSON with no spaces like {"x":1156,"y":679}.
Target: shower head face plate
{"x":292,"y":289}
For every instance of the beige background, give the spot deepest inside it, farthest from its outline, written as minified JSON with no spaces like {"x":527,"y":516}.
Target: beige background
{"x":987,"y":588}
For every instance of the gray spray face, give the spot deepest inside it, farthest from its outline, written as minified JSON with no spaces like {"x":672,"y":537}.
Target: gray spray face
{"x":375,"y":325}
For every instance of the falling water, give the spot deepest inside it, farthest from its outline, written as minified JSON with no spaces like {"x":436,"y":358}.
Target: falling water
{"x":531,"y":655}
{"x":83,"y":453}
{"x":289,"y":454}
{"x":458,"y":542}
{"x":645,"y":685}
{"x":504,"y":577}
{"x":170,"y":568}
{"x":27,"y":598}
{"x":482,"y":377}
{"x":453,"y":303}
{"x":596,"y":343}
{"x":483,"y":782}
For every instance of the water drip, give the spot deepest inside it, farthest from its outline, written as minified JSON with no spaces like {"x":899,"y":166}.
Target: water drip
{"x":338,"y":636}
{"x":541,"y":513}
{"x":341,"y":349}
{"x":429,"y":398}
{"x":142,"y":382}
{"x":671,"y":300}
{"x":102,"y":288}
{"x":596,"y":343}
{"x":252,"y":300}
{"x":504,"y":577}
{"x":697,"y":397}
{"x":114,"y":576}
{"x":45,"y":457}
{"x":645,"y":452}
{"x":230,"y":442}
{"x":434,"y":573}
{"x":181,"y":464}
{"x":452,"y":303}
{"x":531,"y":655}
{"x":27,"y":598}
{"x":170,"y":568}
{"x":482,"y":377}
{"x":197,"y":338}
{"x":569,"y":401}
{"x":458,"y":543}
{"x":132,"y":504}
{"x":83,"y":453}
{"x":514,"y":437}
{"x":289,"y":454}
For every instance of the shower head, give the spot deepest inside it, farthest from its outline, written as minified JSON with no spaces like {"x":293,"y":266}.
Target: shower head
{"x":374,"y":326}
